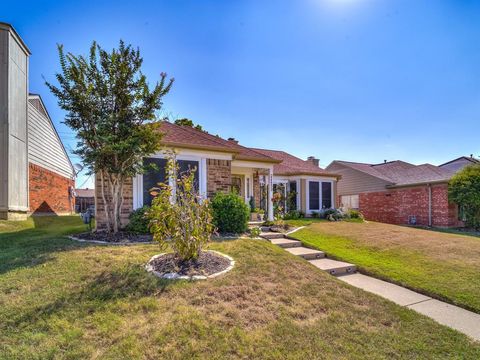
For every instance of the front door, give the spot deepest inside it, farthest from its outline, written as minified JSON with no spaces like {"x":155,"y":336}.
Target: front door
{"x":237,"y":185}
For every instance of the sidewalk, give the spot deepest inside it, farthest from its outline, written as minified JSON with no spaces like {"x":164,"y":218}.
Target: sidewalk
{"x":465,"y":321}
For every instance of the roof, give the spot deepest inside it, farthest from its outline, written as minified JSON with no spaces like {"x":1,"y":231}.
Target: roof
{"x":191,"y":138}
{"x":85,"y":192}
{"x":292,"y":165}
{"x":401,"y":173}
{"x":468,"y":158}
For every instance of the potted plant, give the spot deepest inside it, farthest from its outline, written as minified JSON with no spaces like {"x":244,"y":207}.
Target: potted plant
{"x":261,"y":214}
{"x":253,"y":212}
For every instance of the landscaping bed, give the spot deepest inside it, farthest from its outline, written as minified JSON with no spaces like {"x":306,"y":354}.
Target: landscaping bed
{"x":120,"y":237}
{"x":207,"y":264}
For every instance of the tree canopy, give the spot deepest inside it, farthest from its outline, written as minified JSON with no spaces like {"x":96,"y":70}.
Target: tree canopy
{"x":464,"y":189}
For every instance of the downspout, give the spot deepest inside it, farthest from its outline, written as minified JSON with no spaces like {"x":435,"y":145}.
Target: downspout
{"x":430,"y":205}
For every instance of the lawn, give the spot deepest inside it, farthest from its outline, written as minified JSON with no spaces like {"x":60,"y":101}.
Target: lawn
{"x":62,"y":299}
{"x":439,"y":264}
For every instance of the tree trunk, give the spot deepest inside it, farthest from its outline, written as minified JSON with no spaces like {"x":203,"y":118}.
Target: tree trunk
{"x":106,"y":206}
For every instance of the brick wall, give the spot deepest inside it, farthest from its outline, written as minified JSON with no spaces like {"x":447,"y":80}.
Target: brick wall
{"x":256,"y":189}
{"x":127,"y":207}
{"x":219,"y":176}
{"x":49,"y":192}
{"x":394,"y":206}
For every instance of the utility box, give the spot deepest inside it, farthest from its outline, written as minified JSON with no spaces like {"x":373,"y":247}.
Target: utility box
{"x":14,"y":56}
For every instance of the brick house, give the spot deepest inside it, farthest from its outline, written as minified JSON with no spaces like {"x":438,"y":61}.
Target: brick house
{"x":225,"y":164}
{"x":397,"y":192}
{"x":36,"y":175}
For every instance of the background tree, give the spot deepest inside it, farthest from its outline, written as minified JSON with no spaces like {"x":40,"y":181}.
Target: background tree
{"x":188,"y":122}
{"x":111,"y":108}
{"x":464,"y":190}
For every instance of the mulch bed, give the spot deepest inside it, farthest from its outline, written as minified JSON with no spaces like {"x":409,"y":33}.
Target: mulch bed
{"x":206,"y":264}
{"x":120,"y":237}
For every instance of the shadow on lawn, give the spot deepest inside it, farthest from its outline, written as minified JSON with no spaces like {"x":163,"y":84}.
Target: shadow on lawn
{"x":130,"y":282}
{"x":36,"y":245}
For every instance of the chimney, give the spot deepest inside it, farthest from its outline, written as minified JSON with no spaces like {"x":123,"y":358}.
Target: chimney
{"x":313,"y":160}
{"x":231,"y":139}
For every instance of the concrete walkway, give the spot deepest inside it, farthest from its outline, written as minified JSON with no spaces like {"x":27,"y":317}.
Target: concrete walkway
{"x":465,"y":321}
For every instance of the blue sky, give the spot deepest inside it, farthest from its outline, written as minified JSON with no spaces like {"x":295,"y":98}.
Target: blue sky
{"x":359,"y":80}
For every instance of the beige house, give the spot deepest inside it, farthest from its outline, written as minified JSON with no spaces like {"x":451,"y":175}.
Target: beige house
{"x":223,"y":165}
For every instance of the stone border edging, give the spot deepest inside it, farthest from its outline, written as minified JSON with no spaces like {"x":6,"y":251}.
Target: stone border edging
{"x":176,"y":276}
{"x":109,"y":242}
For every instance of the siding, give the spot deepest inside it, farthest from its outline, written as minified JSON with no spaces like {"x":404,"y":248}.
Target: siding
{"x":45,"y":148}
{"x":354,"y":182}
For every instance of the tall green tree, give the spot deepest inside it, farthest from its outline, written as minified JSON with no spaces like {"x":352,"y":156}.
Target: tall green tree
{"x":188,"y":122}
{"x":464,"y":190}
{"x":112,"y":109}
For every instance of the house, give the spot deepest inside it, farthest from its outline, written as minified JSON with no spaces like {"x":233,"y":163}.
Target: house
{"x":36,"y":175}
{"x":397,"y":192}
{"x":84,"y":199}
{"x":458,"y":164}
{"x":223,"y":165}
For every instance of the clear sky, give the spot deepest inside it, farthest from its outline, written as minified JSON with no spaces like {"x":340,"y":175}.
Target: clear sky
{"x":359,"y":80}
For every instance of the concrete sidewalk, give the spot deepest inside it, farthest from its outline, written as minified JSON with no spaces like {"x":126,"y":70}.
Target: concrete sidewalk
{"x":455,"y":317}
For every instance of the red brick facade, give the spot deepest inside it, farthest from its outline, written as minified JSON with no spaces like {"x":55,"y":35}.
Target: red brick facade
{"x":219,"y":176}
{"x":49,"y":192}
{"x":394,"y":206}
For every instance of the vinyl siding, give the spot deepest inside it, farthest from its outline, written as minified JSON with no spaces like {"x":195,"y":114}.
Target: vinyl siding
{"x":45,"y":148}
{"x":354,"y":182}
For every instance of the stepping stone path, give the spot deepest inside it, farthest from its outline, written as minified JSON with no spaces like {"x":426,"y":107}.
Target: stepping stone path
{"x":315,"y":257}
{"x":455,"y":317}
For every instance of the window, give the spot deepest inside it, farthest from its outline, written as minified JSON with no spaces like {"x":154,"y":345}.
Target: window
{"x":326,"y":195}
{"x":349,"y":202}
{"x":152,"y":177}
{"x":158,"y":175}
{"x":314,"y":195}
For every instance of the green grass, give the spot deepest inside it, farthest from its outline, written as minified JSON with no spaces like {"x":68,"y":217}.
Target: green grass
{"x":60,"y":299}
{"x":441,"y":265}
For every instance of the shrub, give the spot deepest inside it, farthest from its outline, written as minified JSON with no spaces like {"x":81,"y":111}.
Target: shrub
{"x":464,"y":190}
{"x":315,"y":214}
{"x":293,"y":215}
{"x":138,"y":221}
{"x":230,"y":213}
{"x":186,"y":223}
{"x":255,"y":232}
{"x":251,"y":202}
{"x":355,"y":214}
{"x":332,"y":215}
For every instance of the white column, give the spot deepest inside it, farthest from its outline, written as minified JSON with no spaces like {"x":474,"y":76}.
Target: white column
{"x":270,"y":194}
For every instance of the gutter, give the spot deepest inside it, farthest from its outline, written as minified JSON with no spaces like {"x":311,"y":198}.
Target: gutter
{"x":393,"y":186}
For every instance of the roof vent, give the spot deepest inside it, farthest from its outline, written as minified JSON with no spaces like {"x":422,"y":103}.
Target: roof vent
{"x":384,"y":161}
{"x":313,"y":160}
{"x":231,"y":139}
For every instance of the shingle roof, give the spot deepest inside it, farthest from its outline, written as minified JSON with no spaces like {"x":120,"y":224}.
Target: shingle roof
{"x":188,"y":137}
{"x":401,"y":173}
{"x":291,"y":165}
{"x":85,"y":192}
{"x":468,"y":158}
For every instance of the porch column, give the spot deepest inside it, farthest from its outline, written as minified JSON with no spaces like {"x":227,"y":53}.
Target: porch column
{"x":270,"y":195}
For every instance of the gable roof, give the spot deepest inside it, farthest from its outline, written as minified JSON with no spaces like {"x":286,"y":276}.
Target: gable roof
{"x":291,"y":165}
{"x":36,"y":101}
{"x":400,"y":173}
{"x":466,"y":158}
{"x":89,"y":193}
{"x":191,"y":138}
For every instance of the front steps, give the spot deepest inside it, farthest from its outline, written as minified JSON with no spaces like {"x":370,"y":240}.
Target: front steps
{"x":314,"y":257}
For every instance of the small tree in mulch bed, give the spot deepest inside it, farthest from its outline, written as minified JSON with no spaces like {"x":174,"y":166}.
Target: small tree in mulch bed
{"x":179,"y":217}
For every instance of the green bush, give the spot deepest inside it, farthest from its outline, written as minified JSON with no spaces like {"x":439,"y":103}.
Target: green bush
{"x":230,"y":213}
{"x":332,"y":215}
{"x":464,"y":190}
{"x":138,"y":222}
{"x":355,"y":214}
{"x":293,"y":215}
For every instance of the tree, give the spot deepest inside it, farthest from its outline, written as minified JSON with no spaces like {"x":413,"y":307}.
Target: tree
{"x":464,"y":190}
{"x":188,"y":122}
{"x":111,"y":107}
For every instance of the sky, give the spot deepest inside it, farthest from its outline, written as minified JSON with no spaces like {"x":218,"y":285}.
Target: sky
{"x":356,"y":80}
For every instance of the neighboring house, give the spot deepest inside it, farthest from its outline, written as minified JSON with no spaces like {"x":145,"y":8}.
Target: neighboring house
{"x":84,"y":199}
{"x":223,"y":165}
{"x":397,"y":192}
{"x":36,"y":175}
{"x":458,"y":164}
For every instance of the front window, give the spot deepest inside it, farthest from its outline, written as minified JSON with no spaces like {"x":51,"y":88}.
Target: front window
{"x":314,"y":195}
{"x":326,"y":195}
